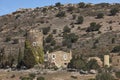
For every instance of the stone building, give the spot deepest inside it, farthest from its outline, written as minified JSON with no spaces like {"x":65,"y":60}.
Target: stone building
{"x":100,"y":63}
{"x":35,"y":37}
{"x":115,"y":58}
{"x":9,"y":53}
{"x":59,"y":58}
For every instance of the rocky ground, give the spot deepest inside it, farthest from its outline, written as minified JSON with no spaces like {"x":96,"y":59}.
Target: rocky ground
{"x":51,"y":75}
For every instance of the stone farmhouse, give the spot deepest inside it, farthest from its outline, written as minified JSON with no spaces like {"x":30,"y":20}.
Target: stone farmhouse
{"x":59,"y":58}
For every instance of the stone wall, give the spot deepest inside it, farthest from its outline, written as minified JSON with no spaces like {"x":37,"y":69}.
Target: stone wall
{"x":60,"y":58}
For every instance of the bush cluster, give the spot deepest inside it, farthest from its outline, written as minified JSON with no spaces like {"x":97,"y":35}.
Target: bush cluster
{"x":60,"y":14}
{"x":113,"y":11}
{"x":100,"y":15}
{"x":93,"y":27}
{"x":46,"y":30}
{"x":80,"y":20}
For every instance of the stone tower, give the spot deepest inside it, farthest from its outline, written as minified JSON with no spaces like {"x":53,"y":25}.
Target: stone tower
{"x":106,"y":60}
{"x":35,"y":37}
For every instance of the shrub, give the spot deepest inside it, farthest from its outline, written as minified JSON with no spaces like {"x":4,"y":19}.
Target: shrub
{"x":93,"y":27}
{"x":77,"y":63}
{"x":49,"y":38}
{"x":16,"y":41}
{"x":74,"y":16}
{"x":100,"y":15}
{"x":17,"y":16}
{"x":8,"y":39}
{"x":117,"y":74}
{"x":81,"y":5}
{"x":66,"y":29}
{"x":26,"y":78}
{"x":113,"y":11}
{"x":58,"y":4}
{"x":116,"y":49}
{"x":91,"y":79}
{"x":103,"y":4}
{"x":46,"y":30}
{"x":113,"y":40}
{"x":48,"y":48}
{"x":92,"y":64}
{"x":54,"y":31}
{"x":80,"y":20}
{"x":70,"y":8}
{"x":53,"y":42}
{"x":104,"y":76}
{"x":67,"y":43}
{"x":40,"y":78}
{"x":72,"y":37}
{"x":32,"y":75}
{"x":60,"y":14}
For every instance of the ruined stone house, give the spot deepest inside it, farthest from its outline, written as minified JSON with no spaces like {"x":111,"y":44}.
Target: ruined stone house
{"x":100,"y":63}
{"x":59,"y":58}
{"x":9,"y":53}
{"x":115,"y":58}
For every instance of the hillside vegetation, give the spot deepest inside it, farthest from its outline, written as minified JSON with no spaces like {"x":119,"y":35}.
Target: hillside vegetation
{"x":88,"y":29}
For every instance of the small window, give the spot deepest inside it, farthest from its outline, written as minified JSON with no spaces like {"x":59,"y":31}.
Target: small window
{"x":34,"y":43}
{"x":65,"y":63}
{"x":65,"y":56}
{"x":53,"y":56}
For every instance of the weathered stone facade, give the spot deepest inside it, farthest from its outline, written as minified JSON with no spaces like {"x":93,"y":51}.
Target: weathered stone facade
{"x":59,"y":58}
{"x":10,"y":52}
{"x":35,"y":37}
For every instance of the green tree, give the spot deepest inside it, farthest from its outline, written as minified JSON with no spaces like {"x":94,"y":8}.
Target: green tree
{"x":32,"y":55}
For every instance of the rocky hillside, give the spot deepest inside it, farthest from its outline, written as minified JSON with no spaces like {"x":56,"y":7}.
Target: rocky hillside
{"x":91,"y":29}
